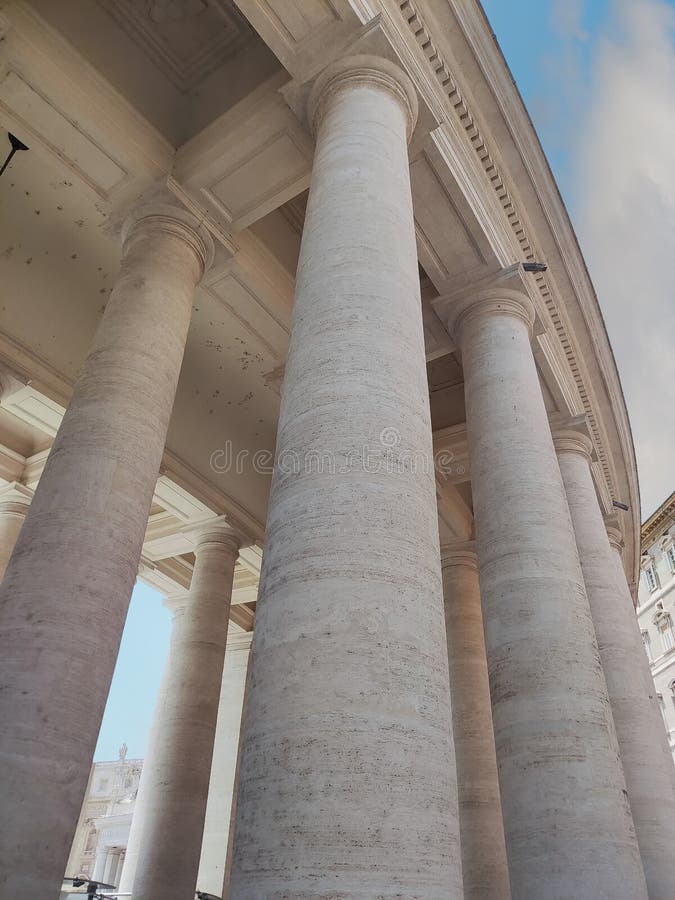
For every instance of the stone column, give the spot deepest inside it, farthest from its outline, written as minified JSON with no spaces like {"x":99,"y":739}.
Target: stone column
{"x":100,"y":862}
{"x":110,"y":868}
{"x":128,"y":873}
{"x":568,"y":826}
{"x":177,"y":782}
{"x":347,"y":783}
{"x":647,"y":761}
{"x":212,"y":861}
{"x":14,"y":503}
{"x":484,"y":865}
{"x":66,"y":590}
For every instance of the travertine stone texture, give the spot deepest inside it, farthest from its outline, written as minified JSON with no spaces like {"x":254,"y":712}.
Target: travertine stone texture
{"x":347,"y":782}
{"x":13,"y":509}
{"x":647,"y":761}
{"x":568,"y":826}
{"x":484,"y":865}
{"x":177,"y":782}
{"x":216,"y":840}
{"x":66,"y":590}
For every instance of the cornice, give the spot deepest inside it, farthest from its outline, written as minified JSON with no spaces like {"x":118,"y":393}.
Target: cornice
{"x":478,"y":35}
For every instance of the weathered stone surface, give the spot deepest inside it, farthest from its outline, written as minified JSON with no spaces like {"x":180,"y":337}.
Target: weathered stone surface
{"x":175,"y":784}
{"x":645,"y":754}
{"x":485,"y":869}
{"x":346,"y":787}
{"x":567,"y":821}
{"x":66,"y":590}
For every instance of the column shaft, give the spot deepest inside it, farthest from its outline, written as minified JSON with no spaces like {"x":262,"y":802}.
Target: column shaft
{"x":484,"y":865}
{"x":212,"y":862}
{"x":346,"y":783}
{"x":177,"y":782}
{"x":567,"y":821}
{"x":647,"y":761}
{"x":66,"y":590}
{"x":14,"y":504}
{"x":137,"y":829}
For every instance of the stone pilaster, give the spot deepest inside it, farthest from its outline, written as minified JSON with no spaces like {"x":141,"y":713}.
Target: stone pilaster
{"x":347,"y":784}
{"x":645,"y":754}
{"x":66,"y":591}
{"x":567,"y":821}
{"x":484,"y":866}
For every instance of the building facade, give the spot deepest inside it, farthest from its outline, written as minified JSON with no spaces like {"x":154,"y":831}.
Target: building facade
{"x":102,"y":832}
{"x":656,"y":607}
{"x":295,"y":328}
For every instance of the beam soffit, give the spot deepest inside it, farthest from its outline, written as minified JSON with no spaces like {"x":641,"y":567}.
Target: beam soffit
{"x":38,"y":57}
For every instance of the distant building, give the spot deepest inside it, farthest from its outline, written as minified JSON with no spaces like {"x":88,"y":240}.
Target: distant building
{"x":656,"y":606}
{"x":102,"y":833}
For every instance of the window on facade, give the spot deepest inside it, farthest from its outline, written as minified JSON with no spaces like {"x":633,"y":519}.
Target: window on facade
{"x":666,"y":632}
{"x":651,"y":578}
{"x":670,"y":556}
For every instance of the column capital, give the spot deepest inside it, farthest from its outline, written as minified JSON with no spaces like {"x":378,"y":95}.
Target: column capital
{"x":353,"y":71}
{"x":459,"y":554}
{"x":215,"y":532}
{"x":177,"y":603}
{"x":572,"y":436}
{"x":164,"y":215}
{"x":615,"y":539}
{"x":487,"y":303}
{"x":15,"y":499}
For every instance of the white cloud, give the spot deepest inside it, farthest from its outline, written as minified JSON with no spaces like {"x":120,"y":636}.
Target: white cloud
{"x":625,"y":217}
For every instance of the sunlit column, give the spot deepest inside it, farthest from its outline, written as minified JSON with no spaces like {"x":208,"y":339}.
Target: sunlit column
{"x":645,"y":754}
{"x":347,"y":778}
{"x":66,"y":591}
{"x":568,"y":825}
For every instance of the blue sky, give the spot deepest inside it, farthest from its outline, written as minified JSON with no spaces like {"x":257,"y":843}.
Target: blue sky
{"x":598,"y":78}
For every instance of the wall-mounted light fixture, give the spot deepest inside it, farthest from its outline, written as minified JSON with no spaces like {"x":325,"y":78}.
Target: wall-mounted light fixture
{"x":16,"y":145}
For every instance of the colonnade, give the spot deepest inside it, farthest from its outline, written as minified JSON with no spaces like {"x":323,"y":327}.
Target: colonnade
{"x":469,"y":729}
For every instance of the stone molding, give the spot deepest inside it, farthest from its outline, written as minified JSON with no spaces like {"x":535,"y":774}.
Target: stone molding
{"x":215,"y":533}
{"x":459,"y":554}
{"x":170,"y":219}
{"x":567,"y":439}
{"x":15,"y":500}
{"x":615,"y":538}
{"x":359,"y":70}
{"x":491,"y":302}
{"x":468,"y":16}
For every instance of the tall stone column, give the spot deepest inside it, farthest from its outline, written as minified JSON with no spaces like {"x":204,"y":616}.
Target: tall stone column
{"x":66,"y":591}
{"x":173,"y":603}
{"x":647,"y":761}
{"x":567,"y":822}
{"x":14,"y":503}
{"x":484,"y":865}
{"x":347,"y":784}
{"x":213,"y":859}
{"x":176,"y":783}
